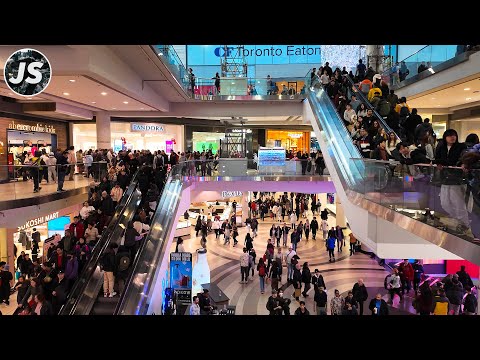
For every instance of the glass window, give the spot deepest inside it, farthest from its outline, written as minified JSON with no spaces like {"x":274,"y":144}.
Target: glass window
{"x":280,"y":54}
{"x":194,"y":55}
{"x":212,"y":54}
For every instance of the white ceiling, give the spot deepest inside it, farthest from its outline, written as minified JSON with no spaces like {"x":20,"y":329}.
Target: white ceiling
{"x":457,"y":95}
{"x":285,"y":120}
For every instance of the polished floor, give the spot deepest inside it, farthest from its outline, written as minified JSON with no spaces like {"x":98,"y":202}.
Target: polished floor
{"x":225,"y":271}
{"x":24,"y":189}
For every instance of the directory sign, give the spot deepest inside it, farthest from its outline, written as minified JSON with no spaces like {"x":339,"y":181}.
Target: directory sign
{"x":271,"y":156}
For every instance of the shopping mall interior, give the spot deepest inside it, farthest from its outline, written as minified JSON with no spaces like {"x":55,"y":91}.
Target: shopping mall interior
{"x":242,"y":180}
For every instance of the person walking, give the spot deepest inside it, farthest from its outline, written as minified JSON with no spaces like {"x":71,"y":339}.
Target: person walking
{"x":314,"y":227}
{"x":274,"y":275}
{"x":360,"y":294}
{"x":306,"y":279}
{"x":285,"y":231}
{"x":331,"y":249}
{"x":244,"y":263}
{"x":320,"y":299}
{"x":261,"y":275}
{"x":378,"y":306}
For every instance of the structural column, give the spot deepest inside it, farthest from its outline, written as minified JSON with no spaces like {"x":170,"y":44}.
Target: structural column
{"x":104,"y":135}
{"x":340,"y":215}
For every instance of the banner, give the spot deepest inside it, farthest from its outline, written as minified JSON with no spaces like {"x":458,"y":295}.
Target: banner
{"x":181,"y":276}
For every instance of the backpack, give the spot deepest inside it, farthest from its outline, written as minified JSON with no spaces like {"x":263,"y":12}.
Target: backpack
{"x":404,"y":112}
{"x":261,"y":271}
{"x":384,"y":107}
{"x":365,"y":88}
{"x":441,"y":308}
{"x":123,"y":263}
{"x":386,"y":282}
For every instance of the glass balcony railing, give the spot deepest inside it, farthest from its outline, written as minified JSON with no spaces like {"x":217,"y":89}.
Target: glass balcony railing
{"x":446,"y":198}
{"x":285,"y":88}
{"x":424,"y":60}
{"x":23,"y":179}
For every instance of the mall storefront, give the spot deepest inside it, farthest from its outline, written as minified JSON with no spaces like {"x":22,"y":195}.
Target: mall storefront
{"x":16,"y":239}
{"x":18,"y":135}
{"x":294,"y":140}
{"x":132,"y":135}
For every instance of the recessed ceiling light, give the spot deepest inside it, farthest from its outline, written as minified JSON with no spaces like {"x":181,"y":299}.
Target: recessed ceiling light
{"x":114,"y":108}
{"x":468,"y":99}
{"x":466,"y":89}
{"x":142,"y":108}
{"x":10,"y":93}
{"x":66,"y":93}
{"x":94,"y":102}
{"x":29,"y":98}
{"x":72,"y":80}
{"x":433,"y":98}
{"x":103,"y":93}
{"x":160,"y":54}
{"x":125,"y":102}
{"x":437,"y":105}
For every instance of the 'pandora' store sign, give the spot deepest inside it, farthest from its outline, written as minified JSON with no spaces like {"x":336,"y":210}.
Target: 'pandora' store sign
{"x":39,"y":220}
{"x":37,"y":128}
{"x":148,"y":128}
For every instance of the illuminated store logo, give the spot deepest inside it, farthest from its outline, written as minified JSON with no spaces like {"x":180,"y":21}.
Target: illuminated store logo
{"x":37,"y":128}
{"x":245,"y":131}
{"x":229,"y":194}
{"x":291,"y":50}
{"x":153,"y":128}
{"x":295,"y":135}
{"x":27,"y":72}
{"x":38,"y":221}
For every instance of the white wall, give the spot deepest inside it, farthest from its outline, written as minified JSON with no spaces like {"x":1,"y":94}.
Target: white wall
{"x":466,"y":127}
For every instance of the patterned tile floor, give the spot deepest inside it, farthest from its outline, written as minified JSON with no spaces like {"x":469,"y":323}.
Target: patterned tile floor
{"x":225,"y":271}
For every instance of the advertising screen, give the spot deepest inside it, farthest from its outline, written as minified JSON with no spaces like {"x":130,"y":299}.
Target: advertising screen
{"x":271,"y":157}
{"x":181,"y":276}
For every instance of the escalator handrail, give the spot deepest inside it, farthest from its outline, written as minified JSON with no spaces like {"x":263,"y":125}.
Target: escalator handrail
{"x":313,"y":93}
{"x":135,"y":265}
{"x":100,"y":246}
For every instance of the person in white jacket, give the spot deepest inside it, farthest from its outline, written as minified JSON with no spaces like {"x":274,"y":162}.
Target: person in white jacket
{"x":324,"y":228}
{"x":52,"y":169}
{"x":216,"y":227}
{"x":293,"y":220}
{"x":116,"y":194}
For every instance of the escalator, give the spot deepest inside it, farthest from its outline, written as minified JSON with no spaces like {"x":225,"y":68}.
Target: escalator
{"x":378,"y":200}
{"x":146,"y":281}
{"x":83,"y":293}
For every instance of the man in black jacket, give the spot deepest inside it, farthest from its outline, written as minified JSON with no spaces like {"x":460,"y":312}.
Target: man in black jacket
{"x":6,"y":278}
{"x":410,"y":155}
{"x":452,"y":191}
{"x":314,"y":227}
{"x":59,"y":295}
{"x":106,"y":210}
{"x":273,"y":304}
{"x":360,"y":294}
{"x":62,"y":165}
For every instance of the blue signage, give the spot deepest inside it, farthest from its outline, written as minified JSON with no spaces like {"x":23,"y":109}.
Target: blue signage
{"x":181,"y":276}
{"x":289,"y":50}
{"x":271,"y":157}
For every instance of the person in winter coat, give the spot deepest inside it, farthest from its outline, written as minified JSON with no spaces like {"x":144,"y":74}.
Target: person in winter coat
{"x":71,"y":269}
{"x":21,"y":286}
{"x":417,"y":274}
{"x":455,"y":296}
{"x":306,"y":279}
{"x":423,"y":302}
{"x":314,"y":227}
{"x":109,"y":268}
{"x":440,"y":304}
{"x":351,"y":305}
{"x":274,"y":305}
{"x":470,"y":303}
{"x":360,"y":294}
{"x":405,"y":270}
{"x":321,"y":300}
{"x":378,"y":306}
{"x":464,"y":278}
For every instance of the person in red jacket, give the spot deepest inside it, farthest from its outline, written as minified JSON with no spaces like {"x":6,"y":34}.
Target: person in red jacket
{"x":406,"y":273}
{"x":76,"y":228}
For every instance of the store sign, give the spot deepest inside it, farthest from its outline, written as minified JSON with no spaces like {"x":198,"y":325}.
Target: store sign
{"x":148,"y":128}
{"x":229,"y":194}
{"x":245,"y":131}
{"x":295,"y":135}
{"x":181,"y":276}
{"x":37,"y":128}
{"x":38,"y":221}
{"x":289,"y":50}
